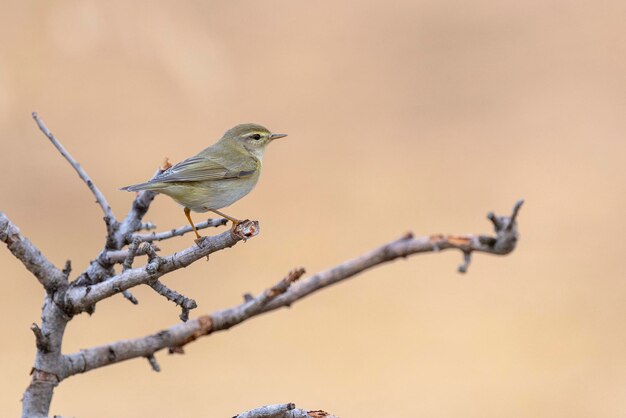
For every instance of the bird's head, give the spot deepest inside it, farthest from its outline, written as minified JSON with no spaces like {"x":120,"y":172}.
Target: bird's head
{"x":252,"y":137}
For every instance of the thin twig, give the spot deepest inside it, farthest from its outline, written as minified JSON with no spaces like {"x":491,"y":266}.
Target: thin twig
{"x":106,"y":209}
{"x":159,"y":236}
{"x":153,"y":363}
{"x":467,"y":260}
{"x":42,"y":340}
{"x":132,"y":252}
{"x":186,"y":304}
{"x":118,"y":256}
{"x":127,"y":264}
{"x":130,"y":297}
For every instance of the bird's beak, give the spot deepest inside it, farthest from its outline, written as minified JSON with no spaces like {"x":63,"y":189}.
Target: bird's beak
{"x":276,"y":136}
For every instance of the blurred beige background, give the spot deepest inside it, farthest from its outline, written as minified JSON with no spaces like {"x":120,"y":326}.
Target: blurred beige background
{"x":406,"y":115}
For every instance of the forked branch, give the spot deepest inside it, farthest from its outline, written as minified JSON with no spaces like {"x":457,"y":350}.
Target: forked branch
{"x":79,"y":298}
{"x":285,"y":293}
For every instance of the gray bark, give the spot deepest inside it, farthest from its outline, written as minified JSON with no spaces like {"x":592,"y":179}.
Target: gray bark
{"x":66,"y":298}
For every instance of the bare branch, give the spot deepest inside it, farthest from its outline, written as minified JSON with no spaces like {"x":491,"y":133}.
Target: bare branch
{"x":101,"y":268}
{"x":284,"y":294}
{"x":287,"y":410}
{"x":127,"y":264}
{"x":47,"y":273}
{"x":130,"y":256}
{"x":176,"y":336}
{"x":106,"y":209}
{"x":154,"y":236}
{"x":186,"y":304}
{"x":131,"y":298}
{"x":103,"y":355}
{"x":49,"y":367}
{"x":503,"y":243}
{"x":467,"y":259}
{"x":79,"y":298}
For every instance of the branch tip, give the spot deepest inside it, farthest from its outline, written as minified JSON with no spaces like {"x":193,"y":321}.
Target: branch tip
{"x":42,"y":341}
{"x":67,"y":269}
{"x":513,"y":217}
{"x":131,"y":298}
{"x":467,"y":259}
{"x":153,"y":363}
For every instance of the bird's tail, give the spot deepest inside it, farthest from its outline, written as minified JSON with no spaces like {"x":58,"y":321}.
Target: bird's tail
{"x":141,"y":186}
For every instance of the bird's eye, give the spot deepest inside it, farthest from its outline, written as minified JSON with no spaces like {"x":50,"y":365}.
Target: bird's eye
{"x":255,"y":137}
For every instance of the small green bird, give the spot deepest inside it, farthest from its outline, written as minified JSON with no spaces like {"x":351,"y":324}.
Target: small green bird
{"x":217,"y":176}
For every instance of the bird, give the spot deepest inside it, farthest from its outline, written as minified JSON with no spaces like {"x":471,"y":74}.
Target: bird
{"x":217,"y":176}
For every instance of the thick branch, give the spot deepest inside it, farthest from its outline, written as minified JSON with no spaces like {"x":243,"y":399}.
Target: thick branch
{"x":106,"y":209}
{"x":81,"y":297}
{"x":50,"y":365}
{"x":47,"y":273}
{"x":284,"y":294}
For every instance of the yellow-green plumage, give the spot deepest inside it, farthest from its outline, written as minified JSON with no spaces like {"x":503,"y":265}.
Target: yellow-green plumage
{"x":219,"y":175}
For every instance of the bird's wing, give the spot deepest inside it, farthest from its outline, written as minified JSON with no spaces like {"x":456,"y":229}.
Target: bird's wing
{"x":200,"y":168}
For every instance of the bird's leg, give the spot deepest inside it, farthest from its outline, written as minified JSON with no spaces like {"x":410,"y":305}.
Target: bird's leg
{"x":230,"y":218}
{"x":188,"y":215}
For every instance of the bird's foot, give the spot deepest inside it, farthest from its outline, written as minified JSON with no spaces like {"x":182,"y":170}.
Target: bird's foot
{"x":237,"y":222}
